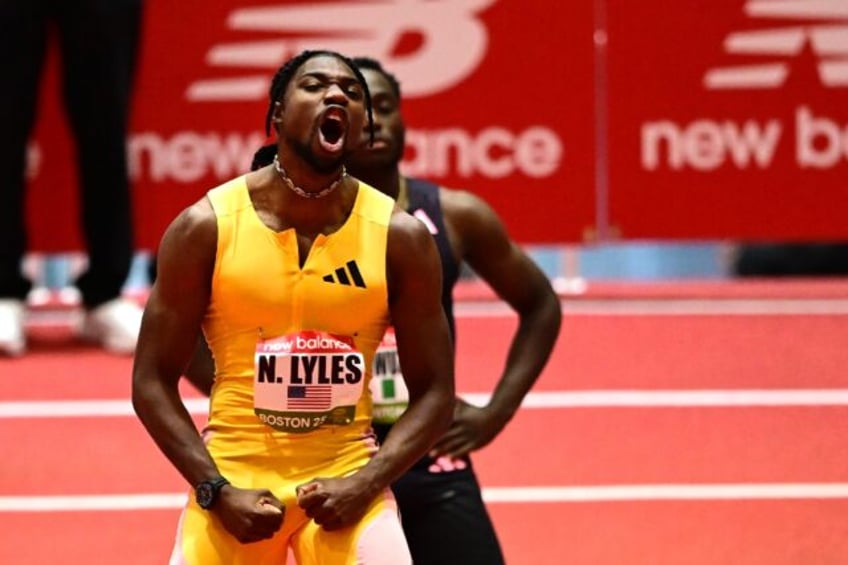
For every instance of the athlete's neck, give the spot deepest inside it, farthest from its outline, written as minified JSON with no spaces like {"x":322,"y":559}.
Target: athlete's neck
{"x":306,"y":193}
{"x":386,"y":180}
{"x":303,"y":174}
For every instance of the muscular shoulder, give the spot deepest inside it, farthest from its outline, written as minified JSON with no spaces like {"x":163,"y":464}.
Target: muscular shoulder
{"x":195,"y":221}
{"x":463,"y":208}
{"x":473,"y":224}
{"x":406,"y":234}
{"x":411,"y":255}
{"x":456,"y":201}
{"x":193,"y":233}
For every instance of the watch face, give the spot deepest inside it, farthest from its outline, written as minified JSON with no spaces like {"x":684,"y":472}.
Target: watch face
{"x":207,"y":491}
{"x":205,"y":495}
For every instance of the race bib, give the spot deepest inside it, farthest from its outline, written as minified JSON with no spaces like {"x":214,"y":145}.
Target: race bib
{"x":307,"y":380}
{"x":388,"y":389}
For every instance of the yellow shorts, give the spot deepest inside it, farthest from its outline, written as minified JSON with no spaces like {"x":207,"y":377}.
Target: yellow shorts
{"x":377,"y":539}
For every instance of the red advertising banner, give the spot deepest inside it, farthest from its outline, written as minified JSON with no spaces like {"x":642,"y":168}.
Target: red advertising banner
{"x":728,"y":119}
{"x":498,"y":100}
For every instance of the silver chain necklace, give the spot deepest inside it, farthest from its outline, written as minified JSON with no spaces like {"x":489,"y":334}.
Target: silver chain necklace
{"x":299,"y":191}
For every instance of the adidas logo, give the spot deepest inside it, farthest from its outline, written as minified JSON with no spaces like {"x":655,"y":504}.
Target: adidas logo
{"x":824,"y":29}
{"x":347,"y":275}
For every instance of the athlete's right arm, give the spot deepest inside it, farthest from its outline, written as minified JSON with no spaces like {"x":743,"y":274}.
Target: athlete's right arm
{"x":169,"y":329}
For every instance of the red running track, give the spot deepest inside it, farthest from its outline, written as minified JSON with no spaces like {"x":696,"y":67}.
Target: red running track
{"x":558,"y":449}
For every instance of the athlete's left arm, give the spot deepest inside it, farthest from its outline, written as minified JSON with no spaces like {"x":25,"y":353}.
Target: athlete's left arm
{"x":484,"y":244}
{"x":424,"y":348}
{"x":426,"y":355}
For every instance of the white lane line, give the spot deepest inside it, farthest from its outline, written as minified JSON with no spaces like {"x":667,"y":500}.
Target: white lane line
{"x":592,"y":307}
{"x":674,"y":307}
{"x":677,"y":398}
{"x":83,"y":408}
{"x":492,"y":495}
{"x":84,"y":503}
{"x":550,"y":399}
{"x":625,"y":493}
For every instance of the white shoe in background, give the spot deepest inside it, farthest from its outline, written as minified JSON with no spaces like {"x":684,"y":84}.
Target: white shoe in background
{"x":12,"y":341}
{"x":114,"y":325}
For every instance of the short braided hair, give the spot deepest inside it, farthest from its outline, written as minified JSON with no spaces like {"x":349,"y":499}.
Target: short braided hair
{"x":370,"y":64}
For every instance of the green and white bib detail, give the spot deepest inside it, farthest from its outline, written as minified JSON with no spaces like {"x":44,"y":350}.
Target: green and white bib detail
{"x":388,"y":389}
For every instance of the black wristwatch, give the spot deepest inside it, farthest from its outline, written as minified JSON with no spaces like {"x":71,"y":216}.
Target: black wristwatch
{"x":206,"y":492}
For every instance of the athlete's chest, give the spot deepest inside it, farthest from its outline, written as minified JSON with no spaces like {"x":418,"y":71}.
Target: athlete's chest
{"x":338,"y":284}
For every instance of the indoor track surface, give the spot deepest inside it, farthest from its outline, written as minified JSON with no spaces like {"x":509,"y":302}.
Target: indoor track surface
{"x":677,"y":424}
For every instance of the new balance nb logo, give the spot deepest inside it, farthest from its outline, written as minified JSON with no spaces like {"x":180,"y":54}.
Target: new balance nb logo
{"x":453,"y":42}
{"x":826,"y":35}
{"x":347,"y":275}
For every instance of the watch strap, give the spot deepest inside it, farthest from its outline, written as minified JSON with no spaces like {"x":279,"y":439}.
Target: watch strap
{"x":218,"y":483}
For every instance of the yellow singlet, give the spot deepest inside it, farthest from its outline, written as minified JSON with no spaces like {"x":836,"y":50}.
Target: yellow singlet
{"x":293,"y":350}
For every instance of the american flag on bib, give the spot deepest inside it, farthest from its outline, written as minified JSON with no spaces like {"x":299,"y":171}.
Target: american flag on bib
{"x":310,"y":397}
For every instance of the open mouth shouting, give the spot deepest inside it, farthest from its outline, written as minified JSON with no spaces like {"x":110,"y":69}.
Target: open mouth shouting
{"x":332,"y":128}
